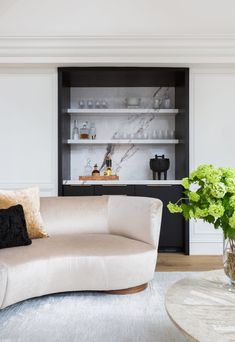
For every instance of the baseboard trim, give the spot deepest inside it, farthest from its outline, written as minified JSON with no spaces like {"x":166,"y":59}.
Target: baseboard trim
{"x":206,"y":248}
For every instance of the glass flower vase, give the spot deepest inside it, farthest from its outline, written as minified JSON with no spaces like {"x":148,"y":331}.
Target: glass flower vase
{"x":229,"y":262}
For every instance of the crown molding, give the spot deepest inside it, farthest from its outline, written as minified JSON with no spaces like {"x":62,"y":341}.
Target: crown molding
{"x":128,"y":49}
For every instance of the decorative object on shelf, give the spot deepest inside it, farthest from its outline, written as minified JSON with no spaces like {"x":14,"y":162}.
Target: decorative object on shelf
{"x":89,"y":104}
{"x":168,"y":134}
{"x":154,"y":134}
{"x":84,"y":131}
{"x":158,"y":165}
{"x":171,"y":134}
{"x":104,"y":104}
{"x":157,"y":103}
{"x":92,"y":131}
{"x":108,"y":166}
{"x":210,"y":195}
{"x":160,"y":134}
{"x":81,"y":104}
{"x":167,"y":101}
{"x":145,"y":135}
{"x":88,"y":168}
{"x":98,"y":177}
{"x":95,"y":171}
{"x":75,"y":133}
{"x":97,"y":104}
{"x":133,"y":102}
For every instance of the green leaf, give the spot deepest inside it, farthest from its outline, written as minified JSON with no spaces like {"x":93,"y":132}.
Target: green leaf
{"x":217,"y":223}
{"x":185,"y":209}
{"x":209,"y":219}
{"x":231,"y":233}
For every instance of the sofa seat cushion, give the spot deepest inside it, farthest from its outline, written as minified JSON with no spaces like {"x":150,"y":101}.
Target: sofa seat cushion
{"x":76,"y":262}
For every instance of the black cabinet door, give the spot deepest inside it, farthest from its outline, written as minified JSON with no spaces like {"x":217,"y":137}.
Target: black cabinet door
{"x":78,"y":190}
{"x":173,"y":234}
{"x":128,"y":190}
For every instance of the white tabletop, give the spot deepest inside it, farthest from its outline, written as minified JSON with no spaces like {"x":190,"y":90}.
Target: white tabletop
{"x":203,"y":308}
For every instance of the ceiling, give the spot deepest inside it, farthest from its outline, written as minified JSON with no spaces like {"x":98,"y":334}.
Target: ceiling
{"x":112,"y":17}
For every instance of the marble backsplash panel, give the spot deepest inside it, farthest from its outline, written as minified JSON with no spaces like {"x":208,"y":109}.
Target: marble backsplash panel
{"x":130,"y":161}
{"x":139,"y":126}
{"x":115,"y":96}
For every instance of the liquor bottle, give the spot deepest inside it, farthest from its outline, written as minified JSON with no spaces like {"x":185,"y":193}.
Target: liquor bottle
{"x":167,"y":100}
{"x":84,"y":131}
{"x":75,"y":134}
{"x":108,"y":168}
{"x":95,"y":171}
{"x":88,"y":168}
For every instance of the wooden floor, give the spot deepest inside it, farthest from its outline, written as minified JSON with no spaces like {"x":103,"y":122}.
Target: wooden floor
{"x":175,"y":262}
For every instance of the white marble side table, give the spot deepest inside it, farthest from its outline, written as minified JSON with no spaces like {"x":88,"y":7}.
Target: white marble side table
{"x":202,"y":307}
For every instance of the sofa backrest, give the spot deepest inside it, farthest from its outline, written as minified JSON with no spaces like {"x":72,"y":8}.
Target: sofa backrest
{"x":84,"y":214}
{"x":137,"y":218}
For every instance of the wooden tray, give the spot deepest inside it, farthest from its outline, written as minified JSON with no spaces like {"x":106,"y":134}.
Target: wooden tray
{"x":114,"y":177}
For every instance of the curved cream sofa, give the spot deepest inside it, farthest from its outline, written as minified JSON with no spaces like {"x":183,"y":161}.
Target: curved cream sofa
{"x":97,"y":243}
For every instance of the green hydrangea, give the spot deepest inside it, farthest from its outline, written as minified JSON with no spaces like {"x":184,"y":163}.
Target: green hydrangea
{"x":228,"y":172}
{"x":185,"y":183}
{"x":230,"y":185}
{"x":214,"y":176}
{"x":218,"y":190}
{"x":216,"y":210}
{"x":174,"y":208}
{"x":193,"y":196}
{"x":209,"y":195}
{"x":232,"y":201}
{"x":201,"y":172}
{"x":200,"y":213}
{"x":206,"y":191}
{"x":191,"y":213}
{"x":232,"y":221}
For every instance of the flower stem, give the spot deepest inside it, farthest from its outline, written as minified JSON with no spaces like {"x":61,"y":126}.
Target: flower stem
{"x":181,"y":199}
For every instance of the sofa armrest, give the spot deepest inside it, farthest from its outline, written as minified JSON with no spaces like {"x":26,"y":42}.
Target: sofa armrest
{"x":3,"y":283}
{"x":138,"y":218}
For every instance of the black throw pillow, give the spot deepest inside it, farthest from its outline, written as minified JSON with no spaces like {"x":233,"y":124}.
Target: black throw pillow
{"x":13,"y":231}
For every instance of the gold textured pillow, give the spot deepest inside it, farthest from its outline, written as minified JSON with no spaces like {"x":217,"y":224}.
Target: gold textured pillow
{"x":30,"y":201}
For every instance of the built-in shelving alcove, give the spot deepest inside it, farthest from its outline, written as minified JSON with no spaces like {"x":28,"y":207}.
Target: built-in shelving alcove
{"x":132,"y":134}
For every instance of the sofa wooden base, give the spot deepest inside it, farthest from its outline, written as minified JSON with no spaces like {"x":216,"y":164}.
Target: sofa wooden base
{"x":130,"y":290}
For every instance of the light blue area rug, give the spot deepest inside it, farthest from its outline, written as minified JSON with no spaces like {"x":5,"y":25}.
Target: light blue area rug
{"x":94,"y":317}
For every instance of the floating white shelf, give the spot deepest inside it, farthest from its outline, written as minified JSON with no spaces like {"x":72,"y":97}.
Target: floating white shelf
{"x":123,"y":141}
{"x":122,"y":111}
{"x":123,"y":182}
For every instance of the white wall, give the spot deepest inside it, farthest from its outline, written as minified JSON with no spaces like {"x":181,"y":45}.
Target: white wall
{"x":182,"y":32}
{"x":212,"y":115}
{"x":28,"y":132}
{"x":28,"y":129}
{"x":112,"y":17}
